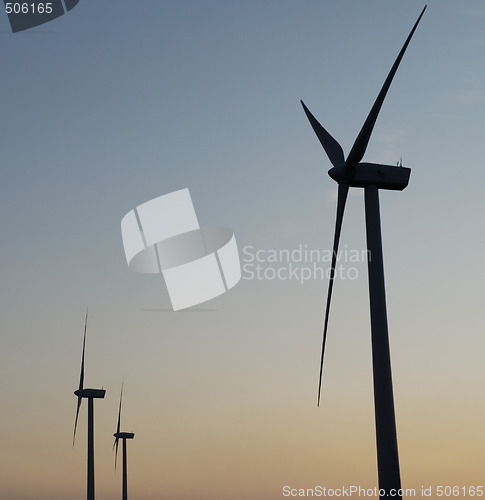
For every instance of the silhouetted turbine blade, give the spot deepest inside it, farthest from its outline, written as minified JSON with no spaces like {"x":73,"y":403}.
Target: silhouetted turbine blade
{"x":118,"y":426}
{"x":81,"y":379}
{"x":119,"y":410}
{"x":332,"y":147}
{"x":360,"y":145}
{"x":116,"y":452}
{"x":343,"y":190}
{"x":79,"y":399}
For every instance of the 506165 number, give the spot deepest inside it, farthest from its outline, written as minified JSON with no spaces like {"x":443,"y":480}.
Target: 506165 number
{"x":28,"y":8}
{"x":456,"y":491}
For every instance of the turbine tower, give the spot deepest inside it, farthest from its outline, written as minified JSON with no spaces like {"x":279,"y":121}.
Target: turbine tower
{"x":124,"y":436}
{"x":372,"y":177}
{"x":90,"y":395}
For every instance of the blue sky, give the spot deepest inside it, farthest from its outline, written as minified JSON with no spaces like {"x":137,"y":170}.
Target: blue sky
{"x":118,"y":102}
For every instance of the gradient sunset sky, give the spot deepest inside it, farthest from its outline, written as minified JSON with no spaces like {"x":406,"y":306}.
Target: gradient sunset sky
{"x":119,"y":102}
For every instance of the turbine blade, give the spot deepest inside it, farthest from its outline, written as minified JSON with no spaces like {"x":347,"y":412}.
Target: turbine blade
{"x":79,"y":400}
{"x":119,"y":410}
{"x":115,"y":445}
{"x":360,"y":145}
{"x":116,"y":452}
{"x":343,"y":190}
{"x":81,"y":379}
{"x":332,"y":147}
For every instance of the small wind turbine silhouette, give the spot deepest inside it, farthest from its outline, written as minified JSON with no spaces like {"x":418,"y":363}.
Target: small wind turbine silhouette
{"x":372,"y":177}
{"x":124,"y":436}
{"x":90,"y":394}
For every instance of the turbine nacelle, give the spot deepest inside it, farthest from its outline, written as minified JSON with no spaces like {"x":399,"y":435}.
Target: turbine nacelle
{"x":124,"y":435}
{"x":90,"y":393}
{"x":365,"y":174}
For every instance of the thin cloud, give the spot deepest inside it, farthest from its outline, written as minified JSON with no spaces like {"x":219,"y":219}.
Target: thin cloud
{"x":472,"y":93}
{"x":387,"y":146}
{"x":469,"y":96}
{"x":477,"y":10}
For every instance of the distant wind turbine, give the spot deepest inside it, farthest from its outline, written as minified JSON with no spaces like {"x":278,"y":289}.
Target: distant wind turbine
{"x":372,"y":177}
{"x":124,"y":436}
{"x":90,"y":394}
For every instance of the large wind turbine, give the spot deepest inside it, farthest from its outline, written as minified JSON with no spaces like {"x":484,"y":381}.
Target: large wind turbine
{"x":372,"y":177}
{"x":124,"y":436}
{"x":90,"y":394}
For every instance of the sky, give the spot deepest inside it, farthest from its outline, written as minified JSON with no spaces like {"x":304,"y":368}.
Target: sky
{"x":118,"y":102}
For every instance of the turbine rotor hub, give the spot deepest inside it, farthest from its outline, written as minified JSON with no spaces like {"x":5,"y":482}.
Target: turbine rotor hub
{"x":341,"y":174}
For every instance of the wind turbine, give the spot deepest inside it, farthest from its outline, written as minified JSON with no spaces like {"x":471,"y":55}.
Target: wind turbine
{"x":372,"y":177}
{"x":90,"y":395}
{"x":124,"y":436}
